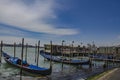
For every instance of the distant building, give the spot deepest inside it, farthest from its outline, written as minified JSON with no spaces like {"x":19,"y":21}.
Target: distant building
{"x":58,"y":49}
{"x":77,"y":50}
{"x":110,"y":50}
{"x":69,"y":50}
{"x":106,"y":50}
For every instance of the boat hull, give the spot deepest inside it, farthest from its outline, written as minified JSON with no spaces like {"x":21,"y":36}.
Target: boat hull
{"x":26,"y":68}
{"x":73,"y":62}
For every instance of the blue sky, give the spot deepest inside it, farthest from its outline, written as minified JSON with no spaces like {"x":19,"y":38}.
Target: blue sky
{"x":79,"y":20}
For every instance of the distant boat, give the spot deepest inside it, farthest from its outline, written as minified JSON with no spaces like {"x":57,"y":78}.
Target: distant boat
{"x":66,"y":61}
{"x":27,"y":67}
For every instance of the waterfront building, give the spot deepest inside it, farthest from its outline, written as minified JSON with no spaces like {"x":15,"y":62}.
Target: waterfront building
{"x":69,"y":49}
{"x":110,"y":50}
{"x":106,"y":50}
{"x":66,"y":50}
{"x":84,"y":50}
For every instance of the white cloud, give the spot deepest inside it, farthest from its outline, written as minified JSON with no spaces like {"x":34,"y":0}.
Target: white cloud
{"x":31,"y":17}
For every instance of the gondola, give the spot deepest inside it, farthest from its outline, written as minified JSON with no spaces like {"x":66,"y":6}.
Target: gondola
{"x":15,"y":61}
{"x":47,"y":56}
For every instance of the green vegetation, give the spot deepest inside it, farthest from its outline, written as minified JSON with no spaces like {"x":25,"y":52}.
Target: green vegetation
{"x":97,"y":76}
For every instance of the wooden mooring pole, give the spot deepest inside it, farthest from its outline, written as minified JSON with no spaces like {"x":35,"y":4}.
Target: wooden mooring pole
{"x":35,"y":52}
{"x":70,"y":58}
{"x":90,"y":62}
{"x":62,"y":53}
{"x":72,"y":49}
{"x":22,"y":58}
{"x":14,"y":50}
{"x":51,"y":55}
{"x":1,"y":51}
{"x":26,"y":52}
{"x":38,"y":52}
{"x":70,"y":55}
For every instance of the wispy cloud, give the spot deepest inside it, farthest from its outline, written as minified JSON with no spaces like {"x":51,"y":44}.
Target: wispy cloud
{"x":32,"y":16}
{"x":9,"y":31}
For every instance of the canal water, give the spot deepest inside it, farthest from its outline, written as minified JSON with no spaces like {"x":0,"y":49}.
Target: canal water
{"x":8,"y":71}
